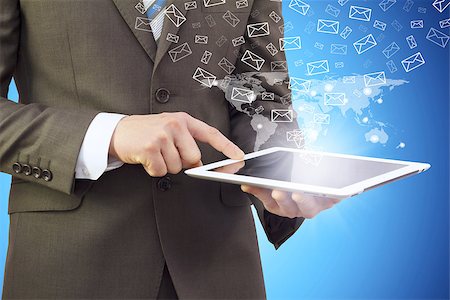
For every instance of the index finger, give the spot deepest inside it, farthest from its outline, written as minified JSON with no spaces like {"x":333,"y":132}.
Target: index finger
{"x":207,"y":134}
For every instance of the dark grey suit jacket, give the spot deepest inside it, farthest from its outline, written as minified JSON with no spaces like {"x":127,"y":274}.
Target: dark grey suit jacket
{"x":110,"y":238}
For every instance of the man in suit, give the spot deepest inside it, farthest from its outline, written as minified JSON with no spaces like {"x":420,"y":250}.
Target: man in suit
{"x":108,"y":117}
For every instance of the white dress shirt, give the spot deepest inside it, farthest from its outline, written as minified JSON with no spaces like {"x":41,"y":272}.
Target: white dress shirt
{"x":93,"y":159}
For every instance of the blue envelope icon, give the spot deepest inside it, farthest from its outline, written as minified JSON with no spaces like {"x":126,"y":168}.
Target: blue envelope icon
{"x":413,"y":62}
{"x":328,"y":26}
{"x":391,"y":50}
{"x":360,"y":13}
{"x":318,"y":67}
{"x":437,"y":37}
{"x":365,"y":44}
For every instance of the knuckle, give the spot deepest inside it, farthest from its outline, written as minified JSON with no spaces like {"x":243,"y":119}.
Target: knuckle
{"x":151,"y":147}
{"x":163,"y":138}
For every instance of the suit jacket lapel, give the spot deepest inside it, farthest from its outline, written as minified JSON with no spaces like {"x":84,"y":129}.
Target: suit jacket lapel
{"x":169,"y":26}
{"x":130,"y":14}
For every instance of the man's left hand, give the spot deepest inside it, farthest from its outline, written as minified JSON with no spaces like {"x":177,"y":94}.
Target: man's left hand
{"x":291,"y":205}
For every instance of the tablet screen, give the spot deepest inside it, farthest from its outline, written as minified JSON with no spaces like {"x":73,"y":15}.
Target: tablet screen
{"x":311,"y":169}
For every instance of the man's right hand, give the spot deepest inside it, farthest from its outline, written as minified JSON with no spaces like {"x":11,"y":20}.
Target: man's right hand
{"x":165,"y":143}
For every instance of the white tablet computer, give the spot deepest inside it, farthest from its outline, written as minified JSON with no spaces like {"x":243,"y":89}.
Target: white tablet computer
{"x":318,"y":173}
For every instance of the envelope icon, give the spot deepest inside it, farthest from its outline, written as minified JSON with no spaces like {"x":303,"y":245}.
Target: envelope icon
{"x":282,"y":115}
{"x":299,"y":6}
{"x":298,"y":84}
{"x":339,"y":64}
{"x":278,"y":66}
{"x":275,"y":17}
{"x":413,"y":62}
{"x":335,"y":99}
{"x":391,"y":50}
{"x":180,"y":52}
{"x":417,"y":24}
{"x":286,"y":100}
{"x":318,"y":67}
{"x":379,"y":25}
{"x":437,"y":37}
{"x":360,"y":13}
{"x":258,"y":29}
{"x":251,"y":59}
{"x":386,"y":4}
{"x":206,"y":57}
{"x":375,"y":79}
{"x":241,"y":3}
{"x":391,"y":66}
{"x":204,"y":77}
{"x":328,"y":26}
{"x":332,"y":10}
{"x":365,"y":44}
{"x":242,"y":95}
{"x":268,"y":96}
{"x":346,"y":32}
{"x":173,"y":38}
{"x":412,"y":43}
{"x":441,"y":5}
{"x":238,"y":41}
{"x":209,"y":3}
{"x":190,"y":5}
{"x":231,"y":18}
{"x":322,"y":119}
{"x":201,"y":39}
{"x":338,"y":49}
{"x":294,"y":135}
{"x":175,"y":15}
{"x":210,"y":20}
{"x":444,"y":23}
{"x":226,"y":65}
{"x":290,"y":43}
{"x":349,"y":79}
{"x":143,"y":24}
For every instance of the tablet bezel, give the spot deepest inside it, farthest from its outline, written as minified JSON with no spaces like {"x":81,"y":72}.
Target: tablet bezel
{"x":409,"y":168}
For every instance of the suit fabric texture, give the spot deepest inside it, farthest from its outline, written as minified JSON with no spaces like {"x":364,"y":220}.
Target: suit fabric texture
{"x":111,"y":238}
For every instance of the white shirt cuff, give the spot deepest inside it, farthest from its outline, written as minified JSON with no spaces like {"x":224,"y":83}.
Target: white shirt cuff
{"x":93,"y":159}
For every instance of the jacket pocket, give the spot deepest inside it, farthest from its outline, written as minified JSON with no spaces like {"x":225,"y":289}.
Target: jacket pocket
{"x":232,"y":195}
{"x":26,"y":196}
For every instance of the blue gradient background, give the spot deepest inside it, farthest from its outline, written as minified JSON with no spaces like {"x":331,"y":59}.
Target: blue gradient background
{"x":391,"y":242}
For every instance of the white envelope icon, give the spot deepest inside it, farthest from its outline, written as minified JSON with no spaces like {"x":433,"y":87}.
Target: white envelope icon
{"x":204,"y":77}
{"x":299,"y":6}
{"x":416,"y":24}
{"x":318,"y":67}
{"x":242,"y":95}
{"x":281,"y":115}
{"x":201,"y":39}
{"x":231,"y":18}
{"x":379,"y":25}
{"x":299,"y":84}
{"x":441,"y":5}
{"x":444,"y":23}
{"x":258,"y":29}
{"x":413,"y":62}
{"x":294,"y":135}
{"x":412,"y":43}
{"x":209,"y":3}
{"x":322,"y":118}
{"x":268,"y":96}
{"x":349,"y":79}
{"x":279,"y":65}
{"x":190,"y":5}
{"x":180,"y":52}
{"x":143,"y":24}
{"x":390,"y":50}
{"x":375,"y":79}
{"x":226,"y":65}
{"x":338,"y":49}
{"x":206,"y":57}
{"x":360,"y":13}
{"x":241,"y":3}
{"x":251,"y":59}
{"x":328,"y":26}
{"x":290,"y":43}
{"x":334,"y":99}
{"x":238,"y":41}
{"x":175,"y":15}
{"x":437,"y":37}
{"x":173,"y":38}
{"x":364,"y":44}
{"x":272,"y":49}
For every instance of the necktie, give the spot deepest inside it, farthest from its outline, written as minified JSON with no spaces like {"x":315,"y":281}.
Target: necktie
{"x":155,"y":13}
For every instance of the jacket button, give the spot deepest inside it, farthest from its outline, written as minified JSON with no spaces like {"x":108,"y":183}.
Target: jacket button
{"x":17,"y":167}
{"x":47,"y":175}
{"x":162,"y":95}
{"x":164,"y":183}
{"x":37,"y":172}
{"x":26,"y":169}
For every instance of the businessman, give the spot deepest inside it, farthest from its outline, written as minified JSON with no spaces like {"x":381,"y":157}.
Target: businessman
{"x":109,"y":114}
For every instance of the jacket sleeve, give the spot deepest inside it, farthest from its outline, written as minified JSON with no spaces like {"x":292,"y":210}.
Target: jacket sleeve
{"x":35,"y":135}
{"x":278,"y":229}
